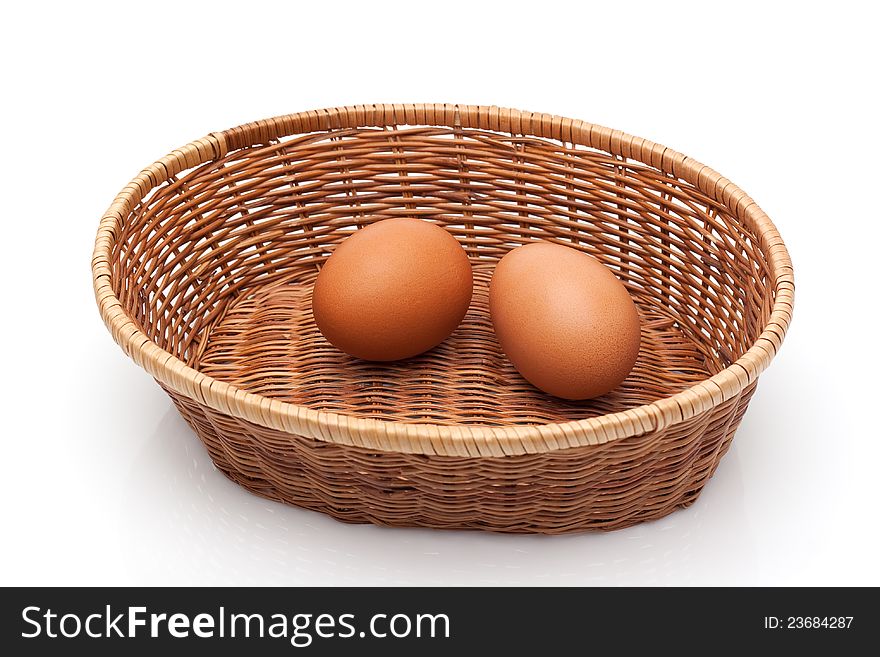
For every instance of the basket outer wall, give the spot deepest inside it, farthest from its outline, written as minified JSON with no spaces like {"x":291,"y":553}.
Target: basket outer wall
{"x":602,"y":487}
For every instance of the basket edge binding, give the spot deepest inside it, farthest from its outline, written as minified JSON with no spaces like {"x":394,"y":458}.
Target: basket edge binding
{"x":432,"y":439}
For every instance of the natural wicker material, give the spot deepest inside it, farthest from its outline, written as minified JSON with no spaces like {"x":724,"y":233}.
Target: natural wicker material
{"x":203,"y":268}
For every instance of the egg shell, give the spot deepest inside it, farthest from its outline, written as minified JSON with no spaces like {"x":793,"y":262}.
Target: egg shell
{"x":564,"y":320}
{"x":392,"y":290}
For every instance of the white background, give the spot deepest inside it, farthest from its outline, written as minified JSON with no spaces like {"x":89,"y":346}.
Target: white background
{"x":101,"y":481}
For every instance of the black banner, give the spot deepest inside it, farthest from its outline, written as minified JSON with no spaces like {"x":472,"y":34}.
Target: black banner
{"x":428,"y":621}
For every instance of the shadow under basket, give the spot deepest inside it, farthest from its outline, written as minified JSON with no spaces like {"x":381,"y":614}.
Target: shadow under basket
{"x":204,"y":265}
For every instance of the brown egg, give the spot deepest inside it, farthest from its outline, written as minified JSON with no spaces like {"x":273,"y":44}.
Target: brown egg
{"x":564,"y":320}
{"x":392,"y":290}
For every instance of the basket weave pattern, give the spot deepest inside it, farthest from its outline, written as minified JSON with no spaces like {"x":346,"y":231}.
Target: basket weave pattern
{"x":203,"y":270}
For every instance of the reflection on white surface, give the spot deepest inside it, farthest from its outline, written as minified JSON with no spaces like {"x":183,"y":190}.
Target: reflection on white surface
{"x":214,"y":531}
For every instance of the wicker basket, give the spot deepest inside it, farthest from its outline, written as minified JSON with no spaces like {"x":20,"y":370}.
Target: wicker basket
{"x":203,"y":268}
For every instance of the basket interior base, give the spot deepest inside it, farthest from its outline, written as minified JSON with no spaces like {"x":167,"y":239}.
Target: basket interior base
{"x":267,"y":343}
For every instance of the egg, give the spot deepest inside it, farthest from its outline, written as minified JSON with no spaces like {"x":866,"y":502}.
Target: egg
{"x":564,"y":320}
{"x":392,"y":290}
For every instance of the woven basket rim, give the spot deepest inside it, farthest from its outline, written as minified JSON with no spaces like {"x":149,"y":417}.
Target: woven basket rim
{"x":438,"y":439}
